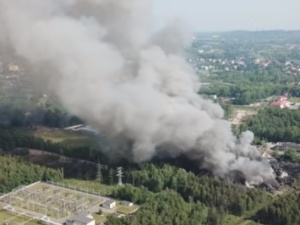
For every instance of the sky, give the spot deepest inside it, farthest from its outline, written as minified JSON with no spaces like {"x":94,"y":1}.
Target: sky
{"x":227,"y":15}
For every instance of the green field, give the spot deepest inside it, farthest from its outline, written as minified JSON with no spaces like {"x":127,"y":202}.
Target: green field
{"x":100,"y":218}
{"x":67,"y":137}
{"x":91,"y":186}
{"x":126,"y":209}
{"x":14,"y":219}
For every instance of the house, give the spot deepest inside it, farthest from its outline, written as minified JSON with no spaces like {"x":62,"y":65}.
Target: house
{"x":281,"y":102}
{"x":109,"y":204}
{"x":126,"y":203}
{"x":81,"y":218}
{"x":13,"y":67}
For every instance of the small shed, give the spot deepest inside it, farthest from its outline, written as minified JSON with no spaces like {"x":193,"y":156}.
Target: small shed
{"x":126,"y":203}
{"x":109,"y":204}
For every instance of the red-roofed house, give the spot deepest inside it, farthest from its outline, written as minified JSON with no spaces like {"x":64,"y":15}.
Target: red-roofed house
{"x":281,"y":101}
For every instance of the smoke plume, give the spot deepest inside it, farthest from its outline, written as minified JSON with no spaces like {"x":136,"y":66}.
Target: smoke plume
{"x":108,"y":66}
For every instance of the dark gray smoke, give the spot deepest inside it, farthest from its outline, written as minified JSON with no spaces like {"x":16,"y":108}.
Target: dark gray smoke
{"x":106,"y":65}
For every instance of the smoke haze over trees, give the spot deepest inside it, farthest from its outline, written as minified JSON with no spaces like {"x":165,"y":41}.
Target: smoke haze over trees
{"x":105,"y":64}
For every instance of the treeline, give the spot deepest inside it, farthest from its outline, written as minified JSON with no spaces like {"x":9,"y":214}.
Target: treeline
{"x":276,"y":125}
{"x":244,"y":94}
{"x":15,"y":116}
{"x":12,"y":139}
{"x":166,"y":207}
{"x":170,"y":195}
{"x":15,"y":172}
{"x":284,"y":211}
{"x":255,"y":84}
{"x":270,"y":75}
{"x":210,"y":191}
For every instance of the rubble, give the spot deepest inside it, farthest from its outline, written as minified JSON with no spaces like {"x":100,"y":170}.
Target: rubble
{"x":284,"y":146}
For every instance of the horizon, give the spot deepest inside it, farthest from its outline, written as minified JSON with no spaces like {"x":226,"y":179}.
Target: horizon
{"x":252,"y":31}
{"x":230,"y":15}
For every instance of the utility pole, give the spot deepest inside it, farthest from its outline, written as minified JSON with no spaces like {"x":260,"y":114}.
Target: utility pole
{"x":99,"y":172}
{"x":120,"y":174}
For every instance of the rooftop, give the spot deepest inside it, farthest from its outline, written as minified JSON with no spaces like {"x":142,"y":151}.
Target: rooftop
{"x":81,"y":217}
{"x":108,"y":202}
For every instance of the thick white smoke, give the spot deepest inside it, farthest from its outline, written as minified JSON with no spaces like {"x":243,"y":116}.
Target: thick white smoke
{"x":106,"y":65}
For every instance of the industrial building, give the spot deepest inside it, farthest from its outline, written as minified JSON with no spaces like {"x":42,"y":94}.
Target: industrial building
{"x":109,"y":204}
{"x":81,"y":218}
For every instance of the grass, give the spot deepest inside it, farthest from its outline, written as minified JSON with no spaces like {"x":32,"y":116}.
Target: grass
{"x":14,"y":218}
{"x":126,"y":210}
{"x":91,"y":186}
{"x":68,"y":138}
{"x":235,"y":220}
{"x":231,"y":219}
{"x":100,"y":218}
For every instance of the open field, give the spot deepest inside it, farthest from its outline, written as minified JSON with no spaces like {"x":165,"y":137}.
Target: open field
{"x":66,"y":137}
{"x":240,"y":114}
{"x":12,"y":218}
{"x":126,"y":210}
{"x":103,"y":189}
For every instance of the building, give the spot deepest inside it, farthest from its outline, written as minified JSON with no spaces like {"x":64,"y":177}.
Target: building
{"x":109,"y":204}
{"x":81,"y":218}
{"x":13,"y":67}
{"x":126,"y":203}
{"x":281,"y":102}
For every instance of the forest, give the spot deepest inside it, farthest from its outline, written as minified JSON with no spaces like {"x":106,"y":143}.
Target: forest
{"x":15,"y":172}
{"x":284,"y":211}
{"x":275,"y":125}
{"x":246,"y":87}
{"x":172,"y":195}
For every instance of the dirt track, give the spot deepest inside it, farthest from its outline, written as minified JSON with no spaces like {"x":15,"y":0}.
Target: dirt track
{"x":240,"y":115}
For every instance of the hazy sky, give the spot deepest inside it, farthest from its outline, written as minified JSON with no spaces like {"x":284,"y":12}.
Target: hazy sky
{"x":220,"y":15}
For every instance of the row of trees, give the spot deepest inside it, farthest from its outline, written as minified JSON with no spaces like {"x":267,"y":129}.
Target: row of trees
{"x":243,"y":94}
{"x":14,"y":116}
{"x":210,"y":191}
{"x":165,"y":207}
{"x":12,"y":139}
{"x":15,"y":172}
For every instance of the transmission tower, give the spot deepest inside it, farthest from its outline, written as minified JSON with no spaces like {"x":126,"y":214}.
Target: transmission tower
{"x":120,"y":174}
{"x":99,"y":172}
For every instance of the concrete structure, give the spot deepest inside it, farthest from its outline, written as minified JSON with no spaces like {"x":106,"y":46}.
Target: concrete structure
{"x":80,"y":128}
{"x":81,"y":218}
{"x":109,"y":204}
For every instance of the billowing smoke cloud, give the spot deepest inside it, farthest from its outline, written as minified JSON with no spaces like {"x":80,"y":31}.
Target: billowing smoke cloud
{"x":106,"y":65}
